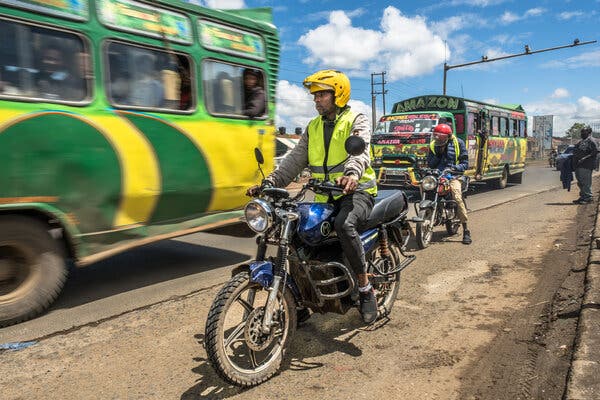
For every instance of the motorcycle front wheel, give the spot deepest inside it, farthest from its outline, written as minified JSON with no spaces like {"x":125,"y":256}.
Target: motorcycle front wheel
{"x":424,"y":229}
{"x":237,"y":348}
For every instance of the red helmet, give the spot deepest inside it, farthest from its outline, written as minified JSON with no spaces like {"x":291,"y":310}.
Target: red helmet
{"x":444,"y":129}
{"x":441,"y":133}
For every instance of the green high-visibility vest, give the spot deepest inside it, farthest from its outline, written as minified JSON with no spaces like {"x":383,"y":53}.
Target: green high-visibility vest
{"x":336,"y":155}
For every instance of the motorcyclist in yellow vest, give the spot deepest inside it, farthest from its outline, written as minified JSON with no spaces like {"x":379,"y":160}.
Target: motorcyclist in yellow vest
{"x":321,"y":148}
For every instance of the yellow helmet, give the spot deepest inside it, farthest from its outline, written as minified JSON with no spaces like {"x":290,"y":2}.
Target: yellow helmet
{"x":329,"y":79}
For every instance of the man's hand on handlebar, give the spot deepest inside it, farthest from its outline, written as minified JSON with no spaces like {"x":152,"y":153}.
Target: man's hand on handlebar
{"x":255,"y":190}
{"x":348,"y":183}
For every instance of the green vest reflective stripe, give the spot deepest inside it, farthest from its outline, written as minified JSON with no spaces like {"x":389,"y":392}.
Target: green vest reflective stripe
{"x":336,"y":155}
{"x":456,"y":148}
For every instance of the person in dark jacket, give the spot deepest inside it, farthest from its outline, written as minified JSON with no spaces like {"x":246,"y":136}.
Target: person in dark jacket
{"x":446,"y":151}
{"x":584,"y":161}
{"x":254,"y":94}
{"x":566,"y":172}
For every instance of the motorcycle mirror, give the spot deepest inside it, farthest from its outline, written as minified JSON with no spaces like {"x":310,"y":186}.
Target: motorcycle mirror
{"x":355,"y":145}
{"x":259,"y":156}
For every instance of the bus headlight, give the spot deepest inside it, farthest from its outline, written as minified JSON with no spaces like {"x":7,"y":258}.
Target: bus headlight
{"x":429,"y":183}
{"x":259,"y":215}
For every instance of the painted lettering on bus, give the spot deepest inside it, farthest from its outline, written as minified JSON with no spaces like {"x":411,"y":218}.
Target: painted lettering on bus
{"x":428,"y":102}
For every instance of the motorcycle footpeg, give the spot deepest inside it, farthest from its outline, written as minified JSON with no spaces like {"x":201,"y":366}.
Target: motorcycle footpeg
{"x":416,"y":219}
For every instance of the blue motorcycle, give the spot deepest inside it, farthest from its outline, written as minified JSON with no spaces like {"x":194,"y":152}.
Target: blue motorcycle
{"x":299,"y":266}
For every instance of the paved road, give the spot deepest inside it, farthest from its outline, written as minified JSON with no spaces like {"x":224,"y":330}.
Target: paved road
{"x":157,"y":272}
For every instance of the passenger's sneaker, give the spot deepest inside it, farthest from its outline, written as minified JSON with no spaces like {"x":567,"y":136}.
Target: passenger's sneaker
{"x":578,"y":201}
{"x":586,"y":201}
{"x":368,"y":306}
{"x":466,"y":237}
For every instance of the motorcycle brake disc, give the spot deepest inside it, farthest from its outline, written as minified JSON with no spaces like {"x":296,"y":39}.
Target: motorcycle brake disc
{"x":255,"y":338}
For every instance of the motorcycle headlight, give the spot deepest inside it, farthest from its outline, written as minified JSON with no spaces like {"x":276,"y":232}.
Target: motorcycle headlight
{"x":259,"y":215}
{"x":429,"y":183}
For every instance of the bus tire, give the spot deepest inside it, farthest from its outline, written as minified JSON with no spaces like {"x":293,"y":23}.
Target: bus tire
{"x":501,"y":182}
{"x":32,"y":269}
{"x":516,"y":178}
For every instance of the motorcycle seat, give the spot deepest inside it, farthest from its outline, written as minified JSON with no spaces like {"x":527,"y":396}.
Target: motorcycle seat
{"x":388,"y":205}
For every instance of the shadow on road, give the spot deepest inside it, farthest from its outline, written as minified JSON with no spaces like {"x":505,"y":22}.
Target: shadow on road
{"x":140,"y":267}
{"x":319,"y":336}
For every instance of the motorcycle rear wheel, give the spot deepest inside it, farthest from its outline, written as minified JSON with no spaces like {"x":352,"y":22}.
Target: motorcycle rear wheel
{"x":237,"y":349}
{"x":424,"y":229}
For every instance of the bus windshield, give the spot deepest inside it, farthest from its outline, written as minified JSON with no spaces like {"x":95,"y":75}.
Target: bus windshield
{"x":415,"y":123}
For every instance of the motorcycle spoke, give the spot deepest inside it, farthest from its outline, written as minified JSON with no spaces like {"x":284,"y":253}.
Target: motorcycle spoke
{"x":235,"y":335}
{"x":248,"y":306}
{"x":252,"y":357}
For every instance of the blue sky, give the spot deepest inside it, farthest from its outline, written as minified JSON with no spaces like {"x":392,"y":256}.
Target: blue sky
{"x":410,"y":40}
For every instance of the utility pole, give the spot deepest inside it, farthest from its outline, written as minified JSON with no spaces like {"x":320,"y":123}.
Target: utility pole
{"x":527,"y":52}
{"x":375,"y":93}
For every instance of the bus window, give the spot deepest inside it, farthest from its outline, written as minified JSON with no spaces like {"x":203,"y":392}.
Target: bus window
{"x":472,"y":124}
{"x":459,"y":119}
{"x":514,"y":127}
{"x":227,"y":90}
{"x":148,"y":78}
{"x":503,"y":126}
{"x":43,"y":63}
{"x":523,"y":128}
{"x":495,"y":127}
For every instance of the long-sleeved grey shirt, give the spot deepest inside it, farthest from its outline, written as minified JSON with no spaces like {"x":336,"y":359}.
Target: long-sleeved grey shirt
{"x":293,"y":164}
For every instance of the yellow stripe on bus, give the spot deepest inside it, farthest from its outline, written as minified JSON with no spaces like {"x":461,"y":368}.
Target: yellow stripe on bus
{"x":140,"y":172}
{"x":7,"y":116}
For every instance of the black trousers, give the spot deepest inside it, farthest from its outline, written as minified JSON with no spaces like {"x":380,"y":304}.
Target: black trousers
{"x":354,"y":209}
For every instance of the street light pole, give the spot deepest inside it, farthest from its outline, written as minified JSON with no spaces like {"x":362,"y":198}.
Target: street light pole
{"x":527,"y":52}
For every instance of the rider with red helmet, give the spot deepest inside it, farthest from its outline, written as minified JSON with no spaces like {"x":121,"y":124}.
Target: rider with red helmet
{"x":449,"y":152}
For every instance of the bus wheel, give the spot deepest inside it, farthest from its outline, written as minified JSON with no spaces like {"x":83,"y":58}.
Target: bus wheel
{"x":516,"y":178}
{"x":501,"y":182}
{"x":32,"y":269}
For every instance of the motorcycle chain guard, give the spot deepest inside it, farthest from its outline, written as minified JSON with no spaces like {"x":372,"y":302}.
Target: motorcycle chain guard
{"x":341,"y":274}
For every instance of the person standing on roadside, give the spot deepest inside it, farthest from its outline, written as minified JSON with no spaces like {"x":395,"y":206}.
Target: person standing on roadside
{"x":584,"y":161}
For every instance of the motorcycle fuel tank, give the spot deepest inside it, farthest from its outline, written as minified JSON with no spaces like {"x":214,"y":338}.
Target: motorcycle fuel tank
{"x":315,"y":223}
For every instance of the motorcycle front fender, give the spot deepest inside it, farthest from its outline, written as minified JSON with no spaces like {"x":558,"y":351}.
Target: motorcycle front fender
{"x":261,"y":272}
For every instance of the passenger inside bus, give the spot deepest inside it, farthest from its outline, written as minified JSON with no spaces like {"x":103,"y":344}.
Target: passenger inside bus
{"x":57,"y":79}
{"x":146,"y":90}
{"x":254,"y":94}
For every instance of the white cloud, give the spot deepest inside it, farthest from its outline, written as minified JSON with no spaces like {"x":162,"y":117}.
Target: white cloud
{"x":491,"y":101}
{"x":570,"y":14}
{"x":295,"y":106}
{"x":560,"y":93}
{"x":534,"y":12}
{"x":404,"y":46}
{"x":445,"y":27}
{"x":584,"y":110}
{"x":510,"y":17}
{"x":591,"y":59}
{"x":348,"y":52}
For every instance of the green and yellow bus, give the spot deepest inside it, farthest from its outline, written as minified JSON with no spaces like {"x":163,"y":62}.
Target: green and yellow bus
{"x":495,"y":136}
{"x":121,"y":122}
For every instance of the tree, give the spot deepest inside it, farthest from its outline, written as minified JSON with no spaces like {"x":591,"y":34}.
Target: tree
{"x":573,"y":132}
